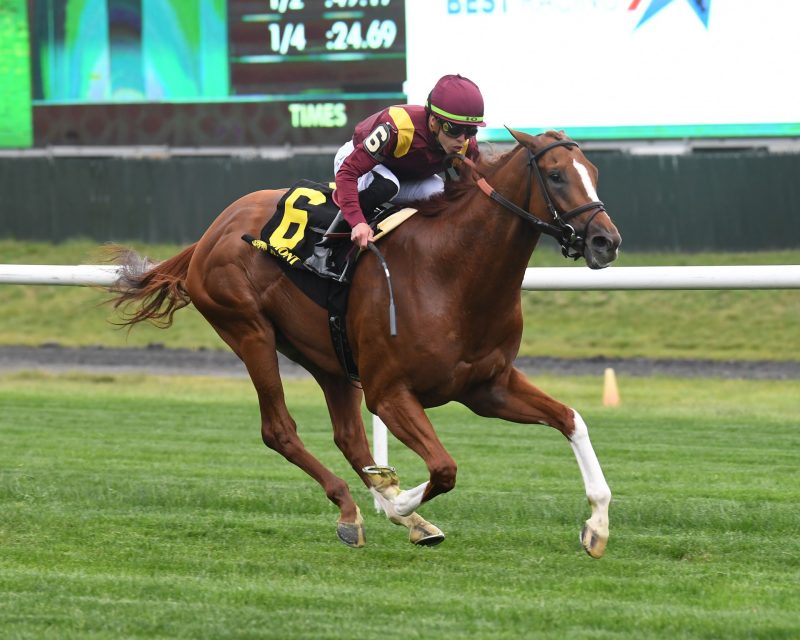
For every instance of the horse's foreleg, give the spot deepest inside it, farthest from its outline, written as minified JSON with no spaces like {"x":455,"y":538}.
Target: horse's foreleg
{"x":594,"y":535}
{"x":406,"y":419}
{"x":344,"y":406}
{"x":513,"y":398}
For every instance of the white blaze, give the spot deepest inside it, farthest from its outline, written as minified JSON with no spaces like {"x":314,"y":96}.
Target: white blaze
{"x":583,"y":172}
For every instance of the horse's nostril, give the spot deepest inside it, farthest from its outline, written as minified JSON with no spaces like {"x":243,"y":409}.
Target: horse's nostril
{"x":600,"y":243}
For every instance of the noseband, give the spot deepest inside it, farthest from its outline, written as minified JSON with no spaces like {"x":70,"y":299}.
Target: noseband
{"x":572,"y":243}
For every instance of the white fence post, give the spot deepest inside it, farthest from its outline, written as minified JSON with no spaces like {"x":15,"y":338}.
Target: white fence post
{"x":380,"y":448}
{"x":380,"y":442}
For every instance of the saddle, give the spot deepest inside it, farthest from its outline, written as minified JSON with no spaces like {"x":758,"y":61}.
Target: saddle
{"x":307,"y":227}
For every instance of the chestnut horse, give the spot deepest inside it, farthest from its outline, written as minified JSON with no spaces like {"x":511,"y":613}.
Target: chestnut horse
{"x":456,"y":267}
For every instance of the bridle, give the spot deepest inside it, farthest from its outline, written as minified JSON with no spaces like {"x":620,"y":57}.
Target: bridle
{"x":572,"y":243}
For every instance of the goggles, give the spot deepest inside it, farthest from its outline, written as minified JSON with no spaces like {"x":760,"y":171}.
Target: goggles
{"x":455,"y":130}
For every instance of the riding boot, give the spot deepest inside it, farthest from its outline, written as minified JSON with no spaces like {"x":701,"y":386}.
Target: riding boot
{"x":379,"y":191}
{"x":321,"y":261}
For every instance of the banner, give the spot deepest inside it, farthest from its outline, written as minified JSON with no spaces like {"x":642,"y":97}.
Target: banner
{"x":616,"y":69}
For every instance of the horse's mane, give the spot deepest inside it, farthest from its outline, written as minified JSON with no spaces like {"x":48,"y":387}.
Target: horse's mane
{"x":486,"y":166}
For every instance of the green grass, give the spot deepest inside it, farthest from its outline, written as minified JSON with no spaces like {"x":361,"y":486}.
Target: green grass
{"x":747,"y":325}
{"x":145,"y":507}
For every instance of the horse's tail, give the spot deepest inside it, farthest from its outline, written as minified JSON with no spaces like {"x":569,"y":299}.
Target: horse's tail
{"x":150,"y":291}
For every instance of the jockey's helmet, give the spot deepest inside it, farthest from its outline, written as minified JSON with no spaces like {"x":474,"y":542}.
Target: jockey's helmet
{"x":456,"y":99}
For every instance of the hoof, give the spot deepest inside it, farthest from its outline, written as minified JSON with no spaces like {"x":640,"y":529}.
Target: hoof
{"x":424,"y":538}
{"x":352,"y":533}
{"x":594,"y":542}
{"x":423,"y":533}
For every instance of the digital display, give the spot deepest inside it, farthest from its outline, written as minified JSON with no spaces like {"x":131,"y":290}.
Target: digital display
{"x":348,"y":47}
{"x":217,"y":73}
{"x":618,"y":69}
{"x":118,"y":51}
{"x":213,"y":72}
{"x":16,"y":125}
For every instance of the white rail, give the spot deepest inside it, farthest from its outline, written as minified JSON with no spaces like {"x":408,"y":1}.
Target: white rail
{"x":82,"y":274}
{"x":784,"y":276}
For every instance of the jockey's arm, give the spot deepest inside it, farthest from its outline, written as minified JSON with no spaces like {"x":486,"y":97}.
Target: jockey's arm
{"x":357,"y":164}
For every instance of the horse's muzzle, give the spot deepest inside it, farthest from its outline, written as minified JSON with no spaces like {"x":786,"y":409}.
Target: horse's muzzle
{"x":601,"y":247}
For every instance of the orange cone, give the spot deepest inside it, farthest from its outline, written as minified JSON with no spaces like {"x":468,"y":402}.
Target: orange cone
{"x":610,"y":389}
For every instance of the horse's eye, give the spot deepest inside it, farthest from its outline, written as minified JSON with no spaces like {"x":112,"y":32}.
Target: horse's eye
{"x":554,"y":176}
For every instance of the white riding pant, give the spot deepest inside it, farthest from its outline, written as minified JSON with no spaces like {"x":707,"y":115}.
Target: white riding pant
{"x":408,"y":190}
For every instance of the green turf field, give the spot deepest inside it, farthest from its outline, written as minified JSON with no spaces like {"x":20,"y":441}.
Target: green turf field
{"x":729,"y":325}
{"x":144,"y":507}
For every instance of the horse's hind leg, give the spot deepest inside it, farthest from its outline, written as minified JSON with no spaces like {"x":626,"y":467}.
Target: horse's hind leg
{"x":512,"y":397}
{"x":255,"y":345}
{"x":344,"y":406}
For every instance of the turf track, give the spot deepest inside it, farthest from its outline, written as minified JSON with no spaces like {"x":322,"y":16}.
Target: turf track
{"x":137,"y":506}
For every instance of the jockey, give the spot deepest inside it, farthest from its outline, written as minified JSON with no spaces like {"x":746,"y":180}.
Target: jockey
{"x":398,"y":152}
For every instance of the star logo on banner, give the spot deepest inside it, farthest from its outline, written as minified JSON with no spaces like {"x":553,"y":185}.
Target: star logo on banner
{"x":701,"y":8}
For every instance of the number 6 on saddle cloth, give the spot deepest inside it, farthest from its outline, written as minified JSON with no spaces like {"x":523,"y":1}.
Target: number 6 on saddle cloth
{"x":305,"y":231}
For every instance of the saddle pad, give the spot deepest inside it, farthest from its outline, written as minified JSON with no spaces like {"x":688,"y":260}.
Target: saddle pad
{"x":302,"y":216}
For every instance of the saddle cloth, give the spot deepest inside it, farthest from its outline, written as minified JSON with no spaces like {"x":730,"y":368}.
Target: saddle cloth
{"x":304,"y":214}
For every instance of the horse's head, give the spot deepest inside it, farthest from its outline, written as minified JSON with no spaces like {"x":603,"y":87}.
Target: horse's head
{"x":568,"y":185}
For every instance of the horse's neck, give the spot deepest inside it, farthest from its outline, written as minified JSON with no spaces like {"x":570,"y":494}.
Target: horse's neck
{"x":493,"y":244}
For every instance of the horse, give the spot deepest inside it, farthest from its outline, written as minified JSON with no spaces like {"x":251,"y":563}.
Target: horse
{"x":456,"y":267}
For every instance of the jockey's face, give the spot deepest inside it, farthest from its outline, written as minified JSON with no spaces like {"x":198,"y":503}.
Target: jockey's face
{"x":447,"y":142}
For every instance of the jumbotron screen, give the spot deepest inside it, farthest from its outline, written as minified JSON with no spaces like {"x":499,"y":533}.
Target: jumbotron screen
{"x":222,"y":73}
{"x":618,"y":69}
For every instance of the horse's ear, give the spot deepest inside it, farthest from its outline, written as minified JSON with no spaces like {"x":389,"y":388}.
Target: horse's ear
{"x":524,"y":139}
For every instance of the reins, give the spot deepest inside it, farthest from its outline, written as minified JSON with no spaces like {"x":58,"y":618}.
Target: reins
{"x":571,"y":242}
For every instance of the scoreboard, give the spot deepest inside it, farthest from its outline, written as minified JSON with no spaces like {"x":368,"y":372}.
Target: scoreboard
{"x":348,"y":47}
{"x":266,"y":73}
{"x":212,"y":72}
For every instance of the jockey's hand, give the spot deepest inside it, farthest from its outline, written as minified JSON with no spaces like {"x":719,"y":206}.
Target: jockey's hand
{"x":361,"y":235}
